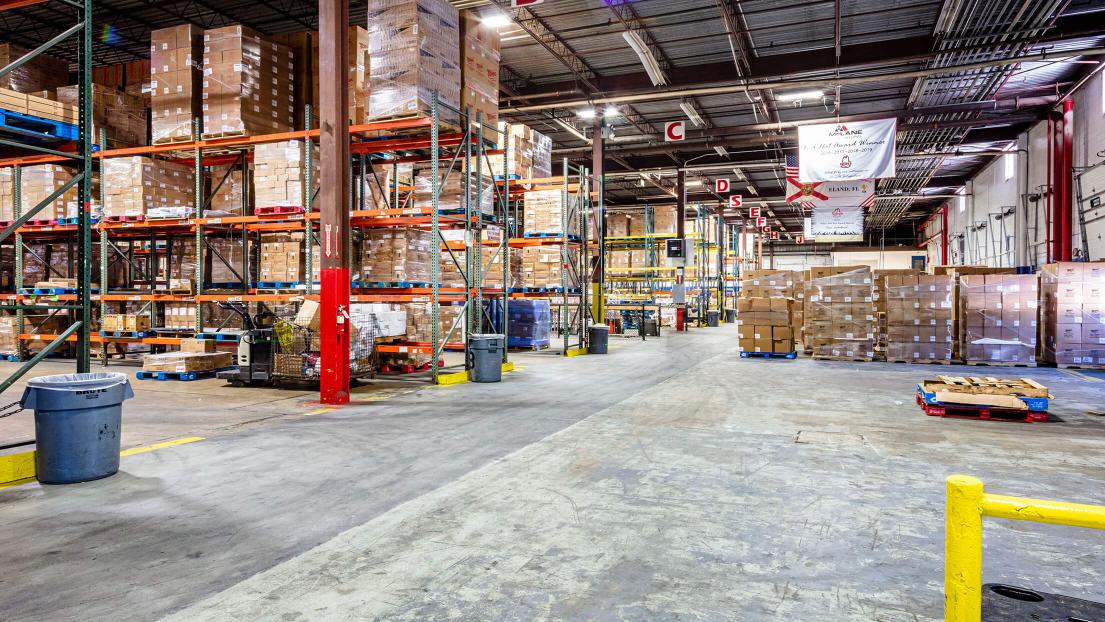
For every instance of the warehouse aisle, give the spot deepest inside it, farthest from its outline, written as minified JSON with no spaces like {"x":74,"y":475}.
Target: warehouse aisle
{"x":179,"y":524}
{"x":727,"y":491}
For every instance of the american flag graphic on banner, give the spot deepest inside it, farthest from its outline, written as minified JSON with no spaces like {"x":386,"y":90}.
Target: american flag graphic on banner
{"x":798,"y":191}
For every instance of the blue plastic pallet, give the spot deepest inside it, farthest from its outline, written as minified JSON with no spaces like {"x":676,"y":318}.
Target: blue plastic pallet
{"x":769,"y":355}
{"x":1038,"y":404}
{"x":280,"y":285}
{"x":36,"y":127}
{"x":547,"y":234}
{"x":11,"y":358}
{"x":511,"y":177}
{"x":235,"y":337}
{"x":74,"y":220}
{"x":389,"y":284}
{"x":47,"y":291}
{"x":180,"y":375}
{"x":527,"y":342}
{"x":223,"y":285}
{"x":123,"y":333}
{"x":543,"y":290}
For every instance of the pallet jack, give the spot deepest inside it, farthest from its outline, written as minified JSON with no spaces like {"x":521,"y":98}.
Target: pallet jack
{"x":255,"y":349}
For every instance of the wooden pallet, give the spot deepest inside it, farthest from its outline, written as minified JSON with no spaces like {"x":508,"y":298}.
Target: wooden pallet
{"x":218,"y":135}
{"x":998,"y":364}
{"x":989,"y":385}
{"x":921,"y":361}
{"x":851,"y":359}
{"x":1085,"y":367}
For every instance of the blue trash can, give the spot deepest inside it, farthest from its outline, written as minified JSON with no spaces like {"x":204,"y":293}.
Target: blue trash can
{"x":78,"y":421}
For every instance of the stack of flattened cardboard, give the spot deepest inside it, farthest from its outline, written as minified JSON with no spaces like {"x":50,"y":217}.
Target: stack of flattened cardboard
{"x":840,"y":312}
{"x":176,"y":74}
{"x":1000,"y":315}
{"x":919,"y":318}
{"x":279,"y":174}
{"x":414,"y":48}
{"x":1074,"y":314}
{"x":247,"y":84}
{"x":137,"y":185}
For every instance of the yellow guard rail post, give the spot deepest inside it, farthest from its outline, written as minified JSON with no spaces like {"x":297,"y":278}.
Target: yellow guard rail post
{"x":966,"y":505}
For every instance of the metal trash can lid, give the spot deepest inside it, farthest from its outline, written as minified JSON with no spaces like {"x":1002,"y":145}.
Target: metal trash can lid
{"x":78,"y":382}
{"x":486,"y":336}
{"x":597,"y":326}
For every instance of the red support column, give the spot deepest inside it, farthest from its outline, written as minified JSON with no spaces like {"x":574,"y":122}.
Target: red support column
{"x":1067,"y":171}
{"x":334,"y":200}
{"x":1049,"y":250}
{"x":944,"y":235}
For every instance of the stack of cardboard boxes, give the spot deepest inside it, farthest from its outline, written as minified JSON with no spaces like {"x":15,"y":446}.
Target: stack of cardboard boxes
{"x":138,"y":186}
{"x":414,"y":49}
{"x":492,"y":267}
{"x":43,"y":105}
{"x":176,"y":79}
{"x":42,"y":73}
{"x":545,"y":213}
{"x":840,"y":312}
{"x":122,"y":117}
{"x":41,"y":181}
{"x":392,"y":255}
{"x":124,"y":322}
{"x":999,"y":318}
{"x":765,"y":322}
{"x":452,"y":191}
{"x":281,"y":259}
{"x":247,"y":84}
{"x":528,"y":153}
{"x":1073,"y":297}
{"x":479,"y":57}
{"x":919,"y":318}
{"x":226,"y":260}
{"x":279,"y":174}
{"x":226,"y":191}
{"x":663,"y":219}
{"x":543,"y":266}
{"x":305,"y":51}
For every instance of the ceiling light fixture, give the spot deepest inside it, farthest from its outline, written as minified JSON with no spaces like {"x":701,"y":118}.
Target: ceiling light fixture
{"x":692,"y":114}
{"x":794,"y":96}
{"x":610,"y":111}
{"x":572,"y":130}
{"x":495,"y":20}
{"x":750,"y":189}
{"x":721,"y":151}
{"x":586,"y":113}
{"x":652,"y":68}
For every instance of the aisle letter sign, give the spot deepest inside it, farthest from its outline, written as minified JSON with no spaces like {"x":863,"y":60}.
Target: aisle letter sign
{"x":721,"y":186}
{"x":675,"y":131}
{"x":754,"y":212}
{"x":736,"y":201}
{"x":847,"y":151}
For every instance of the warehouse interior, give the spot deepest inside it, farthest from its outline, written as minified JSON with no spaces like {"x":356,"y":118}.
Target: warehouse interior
{"x":552,"y":309}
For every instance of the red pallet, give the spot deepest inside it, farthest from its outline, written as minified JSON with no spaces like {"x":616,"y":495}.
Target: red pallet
{"x":981,"y":412}
{"x":277,"y":210}
{"x":136,"y":218}
{"x":43,"y":222}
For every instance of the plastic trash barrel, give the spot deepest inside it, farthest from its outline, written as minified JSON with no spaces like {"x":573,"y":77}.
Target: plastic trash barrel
{"x":712,"y":318}
{"x":78,"y":420}
{"x":485,"y":357}
{"x":598,"y":338}
{"x":730,"y":316}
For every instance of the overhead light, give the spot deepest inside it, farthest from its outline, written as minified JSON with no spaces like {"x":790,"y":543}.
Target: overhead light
{"x":611,"y":111}
{"x":739,"y":173}
{"x":495,"y":20}
{"x":721,"y":151}
{"x":586,"y":113}
{"x":652,"y":68}
{"x":694,"y":182}
{"x":794,"y":96}
{"x":691,"y":113}
{"x":751,"y":190}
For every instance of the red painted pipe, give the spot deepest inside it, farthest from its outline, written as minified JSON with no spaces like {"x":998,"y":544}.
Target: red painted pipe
{"x":944,"y":236}
{"x":1048,"y":250}
{"x":1058,"y":191}
{"x":1068,"y":180}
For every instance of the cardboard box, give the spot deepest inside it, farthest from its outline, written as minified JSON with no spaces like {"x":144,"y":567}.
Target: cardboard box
{"x":187,"y":361}
{"x":197,"y":345}
{"x":247,"y":84}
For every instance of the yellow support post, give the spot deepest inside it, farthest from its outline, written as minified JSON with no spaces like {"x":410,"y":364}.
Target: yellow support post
{"x":597,"y":302}
{"x":963,"y":550}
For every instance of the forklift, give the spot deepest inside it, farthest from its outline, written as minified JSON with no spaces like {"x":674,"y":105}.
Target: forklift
{"x":255,"y":348}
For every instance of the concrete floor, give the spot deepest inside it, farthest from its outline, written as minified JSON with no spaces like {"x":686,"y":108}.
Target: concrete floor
{"x":670,"y":480}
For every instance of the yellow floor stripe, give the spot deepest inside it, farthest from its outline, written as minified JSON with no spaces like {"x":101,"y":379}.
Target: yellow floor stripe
{"x":1078,"y":374}
{"x":320,"y":411}
{"x":162,"y":445}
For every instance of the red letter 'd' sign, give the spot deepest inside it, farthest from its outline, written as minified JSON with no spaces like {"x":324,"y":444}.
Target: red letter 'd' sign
{"x":675,"y":131}
{"x":721,"y":186}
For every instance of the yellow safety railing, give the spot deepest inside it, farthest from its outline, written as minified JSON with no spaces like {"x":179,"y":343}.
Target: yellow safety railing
{"x":966,"y":505}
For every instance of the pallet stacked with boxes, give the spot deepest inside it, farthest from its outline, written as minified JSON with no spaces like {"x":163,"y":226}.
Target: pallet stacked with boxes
{"x":42,"y":73}
{"x":999,"y":318}
{"x":176,"y":82}
{"x":280,"y":175}
{"x":120,"y":116}
{"x":137,"y":186}
{"x":38,"y":183}
{"x":545,"y":214}
{"x":414,"y":49}
{"x":840,"y":313}
{"x":280,"y":264}
{"x":1073,"y":316}
{"x":479,"y":57}
{"x":247,"y":84}
{"x":765,"y":324}
{"x":452,"y":194}
{"x":919,"y":318}
{"x":305,"y":51}
{"x":528,"y":153}
{"x":392,"y":256}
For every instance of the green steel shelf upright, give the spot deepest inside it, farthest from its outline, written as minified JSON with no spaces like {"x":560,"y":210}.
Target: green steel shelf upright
{"x":81,"y":159}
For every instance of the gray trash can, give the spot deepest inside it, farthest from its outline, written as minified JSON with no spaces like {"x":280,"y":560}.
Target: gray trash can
{"x":730,"y":316}
{"x":78,"y":420}
{"x":650,"y":327}
{"x":485,"y":357}
{"x":598,"y":338}
{"x":712,"y":318}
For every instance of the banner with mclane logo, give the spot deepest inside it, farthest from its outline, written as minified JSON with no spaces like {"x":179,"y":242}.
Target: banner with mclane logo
{"x":847,"y":151}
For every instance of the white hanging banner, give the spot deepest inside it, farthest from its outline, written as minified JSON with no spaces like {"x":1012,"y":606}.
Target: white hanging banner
{"x":847,"y":151}
{"x":837,"y":224}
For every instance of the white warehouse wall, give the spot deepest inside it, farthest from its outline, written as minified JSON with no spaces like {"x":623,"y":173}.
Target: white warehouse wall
{"x":1020,"y":239}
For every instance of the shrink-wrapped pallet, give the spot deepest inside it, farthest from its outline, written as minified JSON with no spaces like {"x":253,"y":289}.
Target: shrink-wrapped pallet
{"x":137,"y":186}
{"x":176,"y":82}
{"x":247,"y":84}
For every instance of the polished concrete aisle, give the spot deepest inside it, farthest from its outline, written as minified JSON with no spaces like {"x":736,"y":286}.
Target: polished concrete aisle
{"x":670,"y":480}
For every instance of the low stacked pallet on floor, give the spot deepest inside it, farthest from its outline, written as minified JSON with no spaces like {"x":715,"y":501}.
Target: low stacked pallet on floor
{"x":919,"y":318}
{"x":984,"y":398}
{"x":764,"y":314}
{"x":1073,"y":301}
{"x":840,"y":313}
{"x":998,"y":315}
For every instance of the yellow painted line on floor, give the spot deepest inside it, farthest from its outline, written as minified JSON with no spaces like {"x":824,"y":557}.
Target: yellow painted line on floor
{"x":576,"y":352}
{"x":16,"y":469}
{"x":1078,"y":374}
{"x":162,"y":445}
{"x":320,"y":411}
